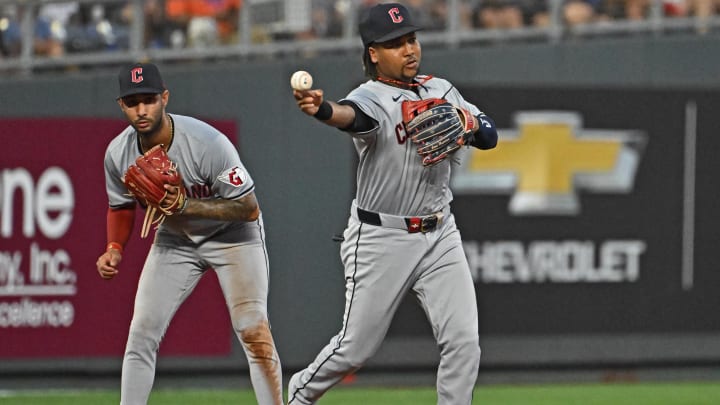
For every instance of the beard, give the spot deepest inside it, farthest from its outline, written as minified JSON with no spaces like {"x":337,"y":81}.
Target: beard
{"x":155,"y":124}
{"x":412,"y":74}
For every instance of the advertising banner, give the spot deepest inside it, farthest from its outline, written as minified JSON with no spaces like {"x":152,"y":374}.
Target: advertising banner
{"x":52,"y":230}
{"x":593,"y":214}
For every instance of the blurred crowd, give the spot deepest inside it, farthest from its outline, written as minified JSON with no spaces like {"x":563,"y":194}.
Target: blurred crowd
{"x":71,"y":26}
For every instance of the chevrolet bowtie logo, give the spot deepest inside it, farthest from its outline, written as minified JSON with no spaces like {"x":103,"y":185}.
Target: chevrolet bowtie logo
{"x":546,"y":161}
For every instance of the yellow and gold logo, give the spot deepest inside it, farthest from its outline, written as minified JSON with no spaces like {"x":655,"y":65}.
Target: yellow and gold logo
{"x":548,"y":159}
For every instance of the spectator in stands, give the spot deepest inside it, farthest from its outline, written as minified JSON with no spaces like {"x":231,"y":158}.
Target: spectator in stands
{"x":205,"y":22}
{"x":640,"y":9}
{"x":89,"y":30}
{"x":578,"y":12}
{"x":505,"y":14}
{"x":671,"y":8}
{"x":57,"y":15}
{"x":322,"y":15}
{"x":437,"y":11}
{"x":48,"y":41}
{"x":10,"y":30}
{"x":44,"y":43}
{"x":64,"y":14}
{"x":498,"y":14}
{"x":4,"y":51}
{"x":156,"y":33}
{"x":633,"y":9}
{"x":421,"y":12}
{"x":535,"y":13}
{"x":335,"y":13}
{"x":700,"y":9}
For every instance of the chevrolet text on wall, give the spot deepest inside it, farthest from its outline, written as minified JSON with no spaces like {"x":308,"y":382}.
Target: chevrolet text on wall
{"x":541,"y":165}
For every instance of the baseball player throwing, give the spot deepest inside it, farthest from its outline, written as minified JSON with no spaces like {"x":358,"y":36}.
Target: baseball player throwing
{"x":401,"y":236}
{"x":211,"y":221}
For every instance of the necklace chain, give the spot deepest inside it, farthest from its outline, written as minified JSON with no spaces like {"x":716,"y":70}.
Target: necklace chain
{"x":405,"y":84}
{"x":172,"y":129}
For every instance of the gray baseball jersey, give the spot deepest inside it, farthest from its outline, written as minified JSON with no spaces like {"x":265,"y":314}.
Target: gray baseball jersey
{"x":207,"y":160}
{"x":383,"y":166}
{"x":185,"y":248}
{"x":388,"y":251}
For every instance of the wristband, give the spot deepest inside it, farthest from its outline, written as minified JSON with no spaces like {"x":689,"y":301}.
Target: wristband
{"x":114,"y":245}
{"x":182,"y":208}
{"x":324,"y":112}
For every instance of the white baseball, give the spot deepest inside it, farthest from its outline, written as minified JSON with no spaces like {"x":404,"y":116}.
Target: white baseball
{"x":301,"y":80}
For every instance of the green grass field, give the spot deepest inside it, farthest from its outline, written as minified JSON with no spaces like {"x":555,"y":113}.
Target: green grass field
{"x":566,"y":394}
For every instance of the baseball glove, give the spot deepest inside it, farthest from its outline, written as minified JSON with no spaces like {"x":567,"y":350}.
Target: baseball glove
{"x":146,"y":180}
{"x":438,"y":127}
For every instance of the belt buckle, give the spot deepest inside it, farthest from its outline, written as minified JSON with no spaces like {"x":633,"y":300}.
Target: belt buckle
{"x":428,"y":223}
{"x":423,"y":224}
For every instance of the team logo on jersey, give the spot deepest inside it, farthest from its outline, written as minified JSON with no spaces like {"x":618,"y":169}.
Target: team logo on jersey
{"x":544,"y":163}
{"x":234,"y":176}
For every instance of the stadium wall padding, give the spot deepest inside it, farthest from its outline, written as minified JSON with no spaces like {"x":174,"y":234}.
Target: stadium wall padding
{"x":662,"y":92}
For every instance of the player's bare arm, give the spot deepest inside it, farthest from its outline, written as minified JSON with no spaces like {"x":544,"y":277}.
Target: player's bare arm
{"x":245,"y":209}
{"x":311,"y":102}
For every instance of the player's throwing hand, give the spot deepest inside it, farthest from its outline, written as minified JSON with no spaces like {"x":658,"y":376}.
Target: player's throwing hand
{"x":309,"y":100}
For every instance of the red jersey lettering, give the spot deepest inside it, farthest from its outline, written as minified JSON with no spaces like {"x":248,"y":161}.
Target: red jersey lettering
{"x":400,"y":133}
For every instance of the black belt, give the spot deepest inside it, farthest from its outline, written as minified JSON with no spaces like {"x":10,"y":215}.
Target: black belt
{"x":422,"y":224}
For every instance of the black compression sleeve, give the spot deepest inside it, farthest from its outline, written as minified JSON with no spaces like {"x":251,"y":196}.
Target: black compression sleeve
{"x":486,"y":136}
{"x":362,"y":123}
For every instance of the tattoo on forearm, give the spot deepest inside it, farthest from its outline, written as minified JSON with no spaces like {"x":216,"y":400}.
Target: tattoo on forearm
{"x":223,"y":210}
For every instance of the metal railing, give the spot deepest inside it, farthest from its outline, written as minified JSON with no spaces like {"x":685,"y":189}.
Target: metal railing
{"x":245,"y":46}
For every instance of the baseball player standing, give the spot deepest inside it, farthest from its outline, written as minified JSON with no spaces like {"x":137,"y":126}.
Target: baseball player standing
{"x":401,"y":236}
{"x":220,"y":227}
